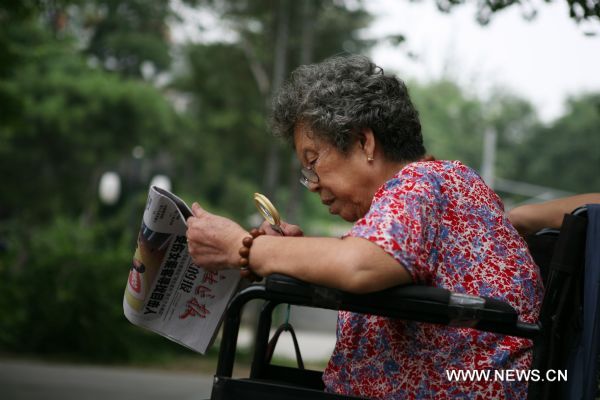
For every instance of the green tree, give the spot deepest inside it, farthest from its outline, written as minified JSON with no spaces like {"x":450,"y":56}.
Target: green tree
{"x":452,"y":121}
{"x":565,"y":154}
{"x":13,"y":16}
{"x":62,"y":267}
{"x":126,"y":35}
{"x":228,"y":145}
{"x":74,"y":123}
{"x":232,"y":82}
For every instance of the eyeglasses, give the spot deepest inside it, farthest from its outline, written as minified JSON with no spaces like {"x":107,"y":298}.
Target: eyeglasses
{"x":308,"y":176}
{"x":308,"y":173}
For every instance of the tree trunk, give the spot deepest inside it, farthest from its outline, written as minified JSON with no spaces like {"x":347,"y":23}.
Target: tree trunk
{"x":279,"y":70}
{"x":306,"y":55}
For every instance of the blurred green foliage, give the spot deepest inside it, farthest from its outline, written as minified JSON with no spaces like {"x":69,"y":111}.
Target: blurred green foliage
{"x":62,"y":293}
{"x":63,"y":256}
{"x":65,"y":289}
{"x":452,"y":121}
{"x":126,"y":35}
{"x":565,"y":154}
{"x":79,"y":96}
{"x":80,"y":89}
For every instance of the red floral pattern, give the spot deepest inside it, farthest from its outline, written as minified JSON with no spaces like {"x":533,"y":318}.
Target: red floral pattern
{"x":448,"y":229}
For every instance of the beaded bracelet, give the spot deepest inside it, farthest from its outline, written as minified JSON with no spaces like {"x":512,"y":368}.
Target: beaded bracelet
{"x":244,"y":251}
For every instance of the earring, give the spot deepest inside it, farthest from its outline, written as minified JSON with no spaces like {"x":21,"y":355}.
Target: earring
{"x":370,"y":158}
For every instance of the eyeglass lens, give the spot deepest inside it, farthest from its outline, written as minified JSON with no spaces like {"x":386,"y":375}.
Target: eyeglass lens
{"x":308,"y":176}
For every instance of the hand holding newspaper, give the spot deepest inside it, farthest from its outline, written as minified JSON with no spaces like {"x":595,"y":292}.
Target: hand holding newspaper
{"x":166,"y":292}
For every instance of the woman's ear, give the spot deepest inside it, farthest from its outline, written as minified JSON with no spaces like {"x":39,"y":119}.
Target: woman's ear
{"x":367,"y":141}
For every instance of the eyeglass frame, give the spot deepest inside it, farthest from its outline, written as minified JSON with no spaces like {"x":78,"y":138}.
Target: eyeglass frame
{"x":308,"y":174}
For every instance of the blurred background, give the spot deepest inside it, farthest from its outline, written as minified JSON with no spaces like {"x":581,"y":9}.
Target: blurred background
{"x":101,"y":98}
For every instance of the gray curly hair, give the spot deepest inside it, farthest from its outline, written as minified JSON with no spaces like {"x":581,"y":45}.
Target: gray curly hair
{"x":342,"y":95}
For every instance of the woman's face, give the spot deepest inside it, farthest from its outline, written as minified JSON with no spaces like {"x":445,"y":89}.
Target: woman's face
{"x":347,"y":182}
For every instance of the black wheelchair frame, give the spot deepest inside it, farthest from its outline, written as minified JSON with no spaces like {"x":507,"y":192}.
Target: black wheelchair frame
{"x":560,"y":255}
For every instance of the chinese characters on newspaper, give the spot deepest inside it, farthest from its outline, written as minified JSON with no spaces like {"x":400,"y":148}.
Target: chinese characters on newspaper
{"x":166,"y":292}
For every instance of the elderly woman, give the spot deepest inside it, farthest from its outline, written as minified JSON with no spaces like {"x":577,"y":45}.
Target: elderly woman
{"x":358,"y":137}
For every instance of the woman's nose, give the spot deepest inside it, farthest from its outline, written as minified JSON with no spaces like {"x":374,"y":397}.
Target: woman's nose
{"x":313,"y":187}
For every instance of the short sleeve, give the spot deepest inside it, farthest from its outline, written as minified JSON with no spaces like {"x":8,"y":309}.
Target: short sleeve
{"x":403,"y":220}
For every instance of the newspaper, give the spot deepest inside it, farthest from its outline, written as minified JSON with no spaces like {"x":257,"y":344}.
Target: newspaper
{"x":166,"y":293}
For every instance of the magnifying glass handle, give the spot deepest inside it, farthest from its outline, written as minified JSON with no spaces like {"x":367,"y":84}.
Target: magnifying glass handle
{"x":278,"y":229}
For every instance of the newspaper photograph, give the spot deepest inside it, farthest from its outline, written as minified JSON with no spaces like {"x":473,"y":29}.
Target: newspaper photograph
{"x":166,"y":293}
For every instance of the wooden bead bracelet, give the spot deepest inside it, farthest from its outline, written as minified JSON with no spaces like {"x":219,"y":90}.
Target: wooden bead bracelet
{"x":246,"y":245}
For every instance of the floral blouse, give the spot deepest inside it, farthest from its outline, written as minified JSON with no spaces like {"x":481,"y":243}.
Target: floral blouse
{"x":448,"y":229}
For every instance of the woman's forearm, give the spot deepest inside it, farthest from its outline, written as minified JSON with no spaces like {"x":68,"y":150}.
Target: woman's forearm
{"x":530,"y":218}
{"x":350,"y":264}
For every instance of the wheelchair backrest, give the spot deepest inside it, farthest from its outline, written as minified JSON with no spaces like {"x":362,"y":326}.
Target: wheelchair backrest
{"x":561,"y":257}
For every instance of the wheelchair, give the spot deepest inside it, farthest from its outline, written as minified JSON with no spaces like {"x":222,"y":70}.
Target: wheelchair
{"x":559,"y":254}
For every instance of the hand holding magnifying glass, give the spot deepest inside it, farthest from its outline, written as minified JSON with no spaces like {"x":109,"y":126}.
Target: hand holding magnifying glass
{"x":269,"y":212}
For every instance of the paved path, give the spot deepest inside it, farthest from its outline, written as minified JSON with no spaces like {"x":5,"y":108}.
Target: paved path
{"x":30,"y":380}
{"x":314,"y":346}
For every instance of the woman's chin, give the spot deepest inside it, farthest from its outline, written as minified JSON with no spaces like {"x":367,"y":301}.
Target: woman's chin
{"x":346,"y":215}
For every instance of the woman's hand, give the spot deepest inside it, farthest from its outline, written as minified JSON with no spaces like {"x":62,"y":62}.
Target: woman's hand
{"x":288,"y":229}
{"x":213,"y":241}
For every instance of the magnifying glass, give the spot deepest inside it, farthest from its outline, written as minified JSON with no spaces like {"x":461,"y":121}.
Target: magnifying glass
{"x":269,"y":212}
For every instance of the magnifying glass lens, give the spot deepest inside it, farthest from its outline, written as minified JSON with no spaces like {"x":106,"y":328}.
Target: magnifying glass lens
{"x":266,"y":208}
{"x":266,"y":214}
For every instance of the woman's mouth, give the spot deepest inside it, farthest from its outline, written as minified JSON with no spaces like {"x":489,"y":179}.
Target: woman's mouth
{"x":329,"y":204}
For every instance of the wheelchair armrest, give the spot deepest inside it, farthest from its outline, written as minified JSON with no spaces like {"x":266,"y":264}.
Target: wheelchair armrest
{"x":412,"y":302}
